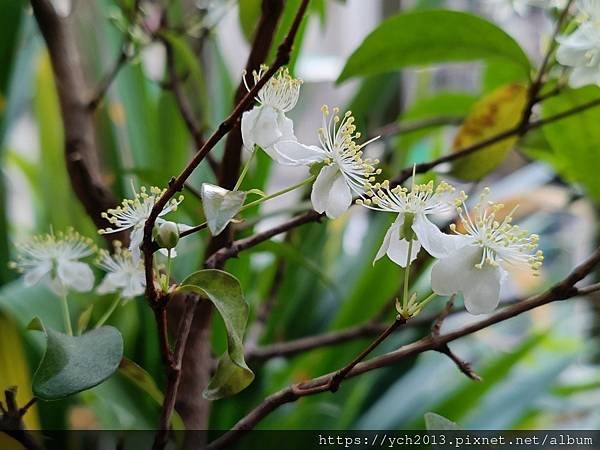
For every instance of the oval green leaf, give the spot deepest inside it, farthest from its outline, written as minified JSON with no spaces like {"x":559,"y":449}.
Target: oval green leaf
{"x":416,"y":39}
{"x":224,"y":291}
{"x":73,"y":364}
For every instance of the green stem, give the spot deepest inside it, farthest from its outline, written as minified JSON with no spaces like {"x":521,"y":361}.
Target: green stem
{"x":109,"y":312}
{"x":406,"y":275}
{"x":245,"y":170}
{"x":66,"y":313}
{"x":428,"y":299}
{"x":278,"y":193}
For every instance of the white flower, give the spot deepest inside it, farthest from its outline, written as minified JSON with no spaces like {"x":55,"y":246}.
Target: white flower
{"x":266,"y":124}
{"x":133,"y":213}
{"x":124,"y":273}
{"x":344,"y":171}
{"x":581,"y":49}
{"x":413,"y":224}
{"x":55,"y":259}
{"x":477,"y":268}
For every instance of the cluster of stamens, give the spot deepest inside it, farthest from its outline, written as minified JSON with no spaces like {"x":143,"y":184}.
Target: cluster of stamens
{"x":68,"y":245}
{"x":120,"y":261}
{"x":423,"y":198}
{"x":499,"y":238}
{"x":338,"y":137}
{"x":134,"y":212}
{"x":280,"y":92}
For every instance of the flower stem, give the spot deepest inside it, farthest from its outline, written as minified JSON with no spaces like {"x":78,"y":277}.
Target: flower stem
{"x":278,"y":193}
{"x":407,"y":275}
{"x":109,"y":312}
{"x":245,"y":170}
{"x":427,"y":299}
{"x":66,"y":314}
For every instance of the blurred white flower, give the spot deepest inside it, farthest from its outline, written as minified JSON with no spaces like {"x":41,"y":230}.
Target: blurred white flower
{"x":266,"y":124}
{"x":55,"y":259}
{"x":413,"y":224}
{"x":477,"y":267}
{"x":124,"y":274}
{"x":344,"y":171}
{"x":505,"y":8}
{"x":581,"y":49}
{"x":133,"y":213}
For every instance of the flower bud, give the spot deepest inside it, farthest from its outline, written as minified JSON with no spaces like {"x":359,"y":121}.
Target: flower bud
{"x":166,"y":234}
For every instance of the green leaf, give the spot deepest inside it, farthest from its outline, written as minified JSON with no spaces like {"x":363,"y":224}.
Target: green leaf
{"x":575,"y":140}
{"x":434,"y":421}
{"x":249,"y":15}
{"x":416,"y":38}
{"x":224,"y":291}
{"x":220,"y":206}
{"x":73,"y":364}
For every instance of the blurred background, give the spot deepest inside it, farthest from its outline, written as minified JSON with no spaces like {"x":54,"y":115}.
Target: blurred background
{"x":539,"y":370}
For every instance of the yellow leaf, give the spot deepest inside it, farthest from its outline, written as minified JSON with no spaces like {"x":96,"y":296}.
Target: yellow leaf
{"x":497,"y":112}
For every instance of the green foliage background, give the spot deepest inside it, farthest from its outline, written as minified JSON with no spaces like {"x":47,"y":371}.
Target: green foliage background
{"x":524,"y":363}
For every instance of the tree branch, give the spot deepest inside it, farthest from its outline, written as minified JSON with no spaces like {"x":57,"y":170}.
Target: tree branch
{"x":11,"y":420}
{"x":175,"y":185}
{"x":560,"y":291}
{"x":80,"y":147}
{"x":519,"y":130}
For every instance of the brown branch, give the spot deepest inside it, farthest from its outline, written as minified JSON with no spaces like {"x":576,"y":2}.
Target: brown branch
{"x":78,"y":122}
{"x":175,"y":185}
{"x":370,"y":329}
{"x":218,"y":258}
{"x":173,"y":373}
{"x":462,"y":365}
{"x":108,"y":79}
{"x":187,"y":114}
{"x":519,"y":130}
{"x":11,"y":420}
{"x":261,"y":45}
{"x":338,"y":377}
{"x":560,"y":291}
{"x":402,"y":127}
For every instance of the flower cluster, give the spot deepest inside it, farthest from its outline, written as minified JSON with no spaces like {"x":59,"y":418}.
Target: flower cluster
{"x":471,"y":261}
{"x":580,"y":50}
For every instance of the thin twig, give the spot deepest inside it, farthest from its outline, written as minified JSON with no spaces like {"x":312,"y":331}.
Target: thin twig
{"x":11,"y":420}
{"x":512,"y":132}
{"x":173,"y":374}
{"x":108,"y":79}
{"x":176,"y":184}
{"x":561,"y":291}
{"x":339,"y":376}
{"x":401,"y":127}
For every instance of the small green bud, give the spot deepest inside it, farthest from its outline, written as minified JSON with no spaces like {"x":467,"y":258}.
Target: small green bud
{"x":166,"y":234}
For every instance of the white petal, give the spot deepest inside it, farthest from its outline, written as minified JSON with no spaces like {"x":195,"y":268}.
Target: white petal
{"x":482,"y":292}
{"x":340,"y":197}
{"x":247,"y":126}
{"x":220,"y":206}
{"x":293,"y":153}
{"x":34,"y":275}
{"x":386,"y":241}
{"x":450,"y":274}
{"x":321,"y":188}
{"x":135,"y":240}
{"x":266,"y":129}
{"x":437,"y":244}
{"x":582,"y":76}
{"x":76,"y":275}
{"x":398,"y":249}
{"x":286,"y":127}
{"x":112,"y":282}
{"x":136,"y":286}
